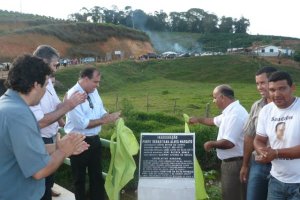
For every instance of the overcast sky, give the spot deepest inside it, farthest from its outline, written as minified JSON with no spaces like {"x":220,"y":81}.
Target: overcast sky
{"x":267,"y":17}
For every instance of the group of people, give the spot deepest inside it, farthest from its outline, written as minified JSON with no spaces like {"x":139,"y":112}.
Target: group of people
{"x":31,"y":148}
{"x":260,"y":152}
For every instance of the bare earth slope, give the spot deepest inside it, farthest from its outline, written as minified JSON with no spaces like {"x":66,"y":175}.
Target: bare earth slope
{"x":13,"y":45}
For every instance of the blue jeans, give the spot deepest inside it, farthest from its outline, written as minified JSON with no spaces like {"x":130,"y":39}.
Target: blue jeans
{"x":283,"y":191}
{"x":257,"y":186}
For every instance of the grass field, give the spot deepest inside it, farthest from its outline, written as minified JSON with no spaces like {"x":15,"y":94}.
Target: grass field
{"x":174,"y":86}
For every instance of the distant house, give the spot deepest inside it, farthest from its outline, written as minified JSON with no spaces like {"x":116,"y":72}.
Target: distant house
{"x":270,"y":50}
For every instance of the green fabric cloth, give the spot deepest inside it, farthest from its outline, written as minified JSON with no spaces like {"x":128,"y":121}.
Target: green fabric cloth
{"x":122,"y":165}
{"x":199,"y":180}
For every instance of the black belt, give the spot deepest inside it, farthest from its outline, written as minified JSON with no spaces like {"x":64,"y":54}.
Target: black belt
{"x":233,"y":159}
{"x":92,"y":138}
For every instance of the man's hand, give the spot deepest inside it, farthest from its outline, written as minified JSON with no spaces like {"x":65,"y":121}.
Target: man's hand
{"x":265,"y":155}
{"x":244,"y":174}
{"x":111,"y":117}
{"x":193,"y":120}
{"x":208,"y":146}
{"x":75,"y":99}
{"x":72,"y":144}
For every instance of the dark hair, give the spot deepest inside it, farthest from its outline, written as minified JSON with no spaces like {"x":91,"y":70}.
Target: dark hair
{"x":88,"y":72}
{"x":278,"y":124}
{"x":226,"y":91}
{"x":27,"y":70}
{"x":46,"y":52}
{"x":268,"y":70}
{"x":281,"y":75}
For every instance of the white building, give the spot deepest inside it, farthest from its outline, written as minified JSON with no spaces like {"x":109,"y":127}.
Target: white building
{"x":270,"y":50}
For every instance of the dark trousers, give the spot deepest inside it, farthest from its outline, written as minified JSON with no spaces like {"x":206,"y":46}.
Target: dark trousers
{"x":49,"y":180}
{"x":232,"y":188}
{"x":91,"y":160}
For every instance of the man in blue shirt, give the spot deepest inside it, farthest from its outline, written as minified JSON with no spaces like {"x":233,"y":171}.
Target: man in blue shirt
{"x":24,"y":160}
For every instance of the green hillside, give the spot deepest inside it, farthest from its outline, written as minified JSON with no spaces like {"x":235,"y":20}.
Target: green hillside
{"x":155,"y":85}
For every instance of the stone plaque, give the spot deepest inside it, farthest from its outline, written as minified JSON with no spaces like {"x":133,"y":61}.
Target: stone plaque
{"x":164,"y":155}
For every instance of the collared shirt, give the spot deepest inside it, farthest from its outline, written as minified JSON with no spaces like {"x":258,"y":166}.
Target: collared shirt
{"x":22,"y":150}
{"x":250,"y":127}
{"x":47,"y":104}
{"x":231,"y":123}
{"x":78,"y":119}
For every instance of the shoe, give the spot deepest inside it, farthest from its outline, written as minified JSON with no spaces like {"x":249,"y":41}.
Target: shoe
{"x":54,"y":193}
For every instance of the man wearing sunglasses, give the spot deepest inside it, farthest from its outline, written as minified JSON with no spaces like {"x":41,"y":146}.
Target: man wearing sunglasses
{"x":87,"y":118}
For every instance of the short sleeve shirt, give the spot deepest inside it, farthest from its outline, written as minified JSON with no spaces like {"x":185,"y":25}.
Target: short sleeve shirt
{"x":250,"y":127}
{"x":231,"y":123}
{"x":282,"y":128}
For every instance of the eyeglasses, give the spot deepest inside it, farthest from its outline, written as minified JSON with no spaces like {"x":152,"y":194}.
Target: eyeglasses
{"x":90,"y":102}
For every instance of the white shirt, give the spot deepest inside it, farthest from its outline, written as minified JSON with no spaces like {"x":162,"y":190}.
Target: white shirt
{"x":270,"y":117}
{"x":78,"y":119}
{"x":231,"y":123}
{"x":47,"y":104}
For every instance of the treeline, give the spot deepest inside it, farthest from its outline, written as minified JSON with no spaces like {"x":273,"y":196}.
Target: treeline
{"x":195,"y":20}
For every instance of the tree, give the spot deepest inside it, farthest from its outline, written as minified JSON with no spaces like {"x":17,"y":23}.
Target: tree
{"x":97,"y":14}
{"x":82,"y":16}
{"x":241,"y":25}
{"x":178,"y":22}
{"x":139,"y":19}
{"x":157,"y":21}
{"x":210,"y":22}
{"x":128,"y":17}
{"x":226,"y":25}
{"x":194,"y":17}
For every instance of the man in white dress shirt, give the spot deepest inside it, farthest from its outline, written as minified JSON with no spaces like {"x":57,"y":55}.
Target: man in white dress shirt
{"x":50,"y":110}
{"x":229,"y":144}
{"x":87,"y":118}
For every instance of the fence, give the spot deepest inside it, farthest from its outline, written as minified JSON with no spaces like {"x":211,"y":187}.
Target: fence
{"x":172,"y":106}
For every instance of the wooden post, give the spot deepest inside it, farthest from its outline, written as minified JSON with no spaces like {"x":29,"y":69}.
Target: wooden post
{"x":207,"y":110}
{"x":175,"y":105}
{"x":147,"y":102}
{"x":117,"y":100}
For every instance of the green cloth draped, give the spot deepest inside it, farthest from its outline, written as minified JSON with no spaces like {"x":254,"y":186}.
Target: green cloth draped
{"x":122,"y":165}
{"x":199,"y":180}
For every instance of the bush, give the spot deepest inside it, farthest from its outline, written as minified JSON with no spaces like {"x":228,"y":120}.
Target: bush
{"x":297,"y":56}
